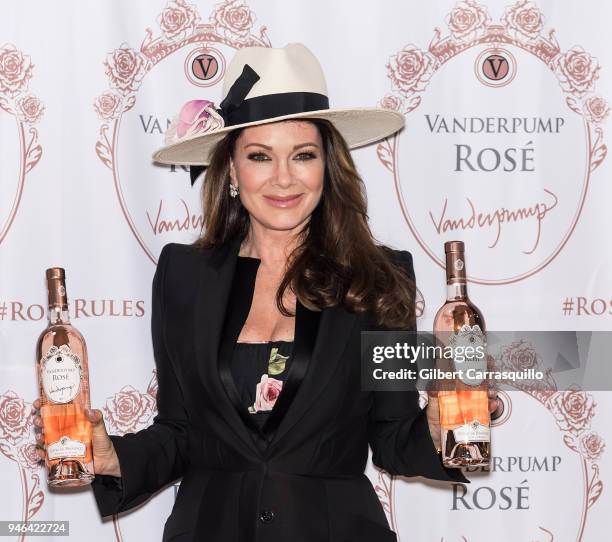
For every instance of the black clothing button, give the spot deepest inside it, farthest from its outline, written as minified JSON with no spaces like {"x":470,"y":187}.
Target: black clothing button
{"x":266,"y":515}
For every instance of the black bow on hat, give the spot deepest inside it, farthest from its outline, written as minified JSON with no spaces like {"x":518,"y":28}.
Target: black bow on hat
{"x":235,"y":96}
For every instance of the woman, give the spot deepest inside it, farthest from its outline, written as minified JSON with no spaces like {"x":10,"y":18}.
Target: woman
{"x":256,"y":328}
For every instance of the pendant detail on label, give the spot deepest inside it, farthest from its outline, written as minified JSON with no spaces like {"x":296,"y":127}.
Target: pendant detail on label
{"x":61,"y":374}
{"x":471,"y":365}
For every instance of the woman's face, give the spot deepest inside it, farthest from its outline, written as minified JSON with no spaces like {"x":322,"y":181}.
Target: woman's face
{"x":279,"y":170}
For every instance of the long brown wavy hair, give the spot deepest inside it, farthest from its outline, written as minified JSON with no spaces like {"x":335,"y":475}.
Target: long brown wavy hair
{"x":337,"y":260}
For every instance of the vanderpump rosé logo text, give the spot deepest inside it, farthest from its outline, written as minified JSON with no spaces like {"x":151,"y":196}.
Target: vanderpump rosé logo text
{"x":504,"y":132}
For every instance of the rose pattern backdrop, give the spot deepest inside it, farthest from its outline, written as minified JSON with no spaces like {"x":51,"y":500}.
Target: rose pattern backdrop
{"x":107,"y":210}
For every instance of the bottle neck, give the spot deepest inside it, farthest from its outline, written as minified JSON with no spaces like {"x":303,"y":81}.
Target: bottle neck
{"x":456,"y":291}
{"x":58,"y":315}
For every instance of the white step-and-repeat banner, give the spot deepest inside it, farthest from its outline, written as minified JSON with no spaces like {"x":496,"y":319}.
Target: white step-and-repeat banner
{"x":505,"y":148}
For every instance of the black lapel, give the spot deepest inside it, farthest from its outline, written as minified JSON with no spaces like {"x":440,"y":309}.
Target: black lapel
{"x":305,"y":336}
{"x":334,"y":327}
{"x":216,"y":274}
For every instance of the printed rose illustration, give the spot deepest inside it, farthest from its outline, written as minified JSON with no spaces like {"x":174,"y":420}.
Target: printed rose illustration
{"x":129,"y":410}
{"x":596,"y":109}
{"x":466,"y":19}
{"x":30,"y":109}
{"x":233,"y":20}
{"x":524,"y":19}
{"x":15,"y":70}
{"x":268,"y":389}
{"x":577,"y":71}
{"x":177,"y":20}
{"x":411,"y":69}
{"x":18,"y":444}
{"x":125,"y":68}
{"x":27,"y":456}
{"x":15,"y":421}
{"x":266,"y":394}
{"x":519,"y":356}
{"x":390,"y":101}
{"x":107,"y":105}
{"x":572,"y":409}
{"x":592,"y":445}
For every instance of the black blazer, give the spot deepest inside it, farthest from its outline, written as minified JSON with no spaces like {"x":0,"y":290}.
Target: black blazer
{"x":303,"y":478}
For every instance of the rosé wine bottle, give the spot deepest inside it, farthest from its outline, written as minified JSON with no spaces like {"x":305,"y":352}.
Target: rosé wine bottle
{"x":459,"y":329}
{"x":63,"y":379}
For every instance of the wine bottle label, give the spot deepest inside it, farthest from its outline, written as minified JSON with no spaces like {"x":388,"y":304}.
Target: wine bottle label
{"x":472,"y":432}
{"x":61,"y":374}
{"x":469,"y":362}
{"x":66,"y":447}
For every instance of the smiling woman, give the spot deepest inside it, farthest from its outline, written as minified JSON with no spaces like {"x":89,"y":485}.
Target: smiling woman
{"x":256,"y":328}
{"x":281,"y":174}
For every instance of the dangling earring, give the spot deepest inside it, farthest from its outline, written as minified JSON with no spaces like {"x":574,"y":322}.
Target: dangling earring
{"x":233,"y":190}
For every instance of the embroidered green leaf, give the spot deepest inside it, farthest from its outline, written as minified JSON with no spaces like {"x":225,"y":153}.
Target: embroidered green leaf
{"x":276,"y":364}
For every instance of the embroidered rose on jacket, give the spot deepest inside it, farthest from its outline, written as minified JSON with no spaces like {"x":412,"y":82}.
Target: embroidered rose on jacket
{"x":524,"y":19}
{"x":15,"y":420}
{"x":411,"y":69}
{"x":15,"y":70}
{"x":195,"y":117}
{"x":572,"y":409}
{"x":577,"y":71}
{"x":466,"y":19}
{"x":129,"y":410}
{"x":267,"y":393}
{"x":178,"y":19}
{"x":126,"y":68}
{"x":233,"y":19}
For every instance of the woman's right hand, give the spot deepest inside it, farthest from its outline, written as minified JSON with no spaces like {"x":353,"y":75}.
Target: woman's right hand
{"x":104,"y":454}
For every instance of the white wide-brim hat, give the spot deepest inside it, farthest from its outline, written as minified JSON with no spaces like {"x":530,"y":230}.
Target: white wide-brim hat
{"x":263,"y":85}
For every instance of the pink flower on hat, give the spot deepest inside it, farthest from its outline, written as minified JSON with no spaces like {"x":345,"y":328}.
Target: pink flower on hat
{"x":195,"y":117}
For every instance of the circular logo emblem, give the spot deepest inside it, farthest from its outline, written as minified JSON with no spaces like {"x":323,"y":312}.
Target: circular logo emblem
{"x":495,"y":67}
{"x":205,"y":67}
